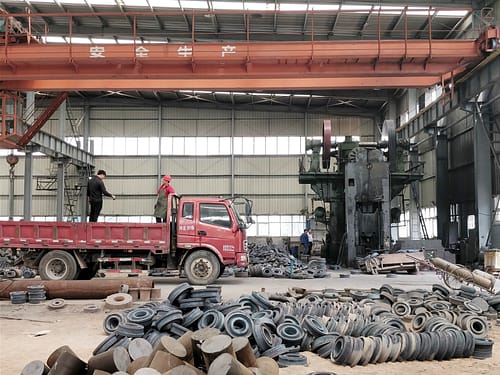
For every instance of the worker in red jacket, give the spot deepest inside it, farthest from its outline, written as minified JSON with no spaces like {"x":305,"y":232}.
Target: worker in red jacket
{"x":161,"y":201}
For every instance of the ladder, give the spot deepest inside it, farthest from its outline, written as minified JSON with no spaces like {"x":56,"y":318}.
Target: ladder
{"x":414,"y":194}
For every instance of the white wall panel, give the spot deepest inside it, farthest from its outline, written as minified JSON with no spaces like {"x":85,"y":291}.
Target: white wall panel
{"x":209,"y":166}
{"x":247,"y":127}
{"x":276,"y":206}
{"x":107,"y":128}
{"x":139,"y":166}
{"x":214,"y":128}
{"x":140,"y":128}
{"x":179,"y":128}
{"x":252,"y":185}
{"x":251,"y":165}
{"x":287,"y":127}
{"x":271,"y":181}
{"x":284,"y":165}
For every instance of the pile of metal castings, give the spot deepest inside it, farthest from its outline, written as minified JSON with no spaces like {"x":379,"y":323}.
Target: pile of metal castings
{"x":351,"y":327}
{"x":393,"y":325}
{"x":272,"y":261}
{"x":8,"y":269}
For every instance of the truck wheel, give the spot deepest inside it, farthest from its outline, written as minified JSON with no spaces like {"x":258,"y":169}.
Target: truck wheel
{"x":58,"y":265}
{"x":201,"y":267}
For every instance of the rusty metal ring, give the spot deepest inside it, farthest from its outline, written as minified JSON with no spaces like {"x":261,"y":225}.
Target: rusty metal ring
{"x":57,"y":303}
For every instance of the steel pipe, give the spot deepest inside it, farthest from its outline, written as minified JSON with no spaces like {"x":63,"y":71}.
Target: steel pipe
{"x":75,"y":289}
{"x":463,"y":274}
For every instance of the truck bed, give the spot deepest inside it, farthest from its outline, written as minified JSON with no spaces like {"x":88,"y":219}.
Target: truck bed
{"x":84,"y":236}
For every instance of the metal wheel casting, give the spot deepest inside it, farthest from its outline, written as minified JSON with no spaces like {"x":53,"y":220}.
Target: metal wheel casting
{"x":58,"y":265}
{"x":201,"y":267}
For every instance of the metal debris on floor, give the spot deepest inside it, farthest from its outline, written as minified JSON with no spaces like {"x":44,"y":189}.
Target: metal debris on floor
{"x":194,"y":332}
{"x":272,"y":261}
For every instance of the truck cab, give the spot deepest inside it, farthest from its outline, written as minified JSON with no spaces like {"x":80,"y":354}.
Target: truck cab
{"x":210,"y":234}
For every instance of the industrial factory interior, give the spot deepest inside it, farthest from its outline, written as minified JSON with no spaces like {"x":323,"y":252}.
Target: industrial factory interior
{"x":293,"y":187}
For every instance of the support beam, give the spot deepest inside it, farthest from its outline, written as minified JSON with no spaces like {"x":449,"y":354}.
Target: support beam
{"x":486,"y":74}
{"x":28,"y":184}
{"x":294,"y":82}
{"x":60,"y":190}
{"x":55,"y":147}
{"x":482,"y":171}
{"x":266,"y":65}
{"x":85,"y":171}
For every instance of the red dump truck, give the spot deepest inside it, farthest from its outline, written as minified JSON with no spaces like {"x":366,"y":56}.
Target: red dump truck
{"x":201,"y":237}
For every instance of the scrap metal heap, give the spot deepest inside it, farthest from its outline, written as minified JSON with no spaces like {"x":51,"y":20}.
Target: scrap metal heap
{"x":358,"y":188}
{"x":194,"y":332}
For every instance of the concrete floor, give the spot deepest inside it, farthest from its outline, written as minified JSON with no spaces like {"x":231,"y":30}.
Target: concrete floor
{"x":234,"y":287}
{"x":83,"y":331}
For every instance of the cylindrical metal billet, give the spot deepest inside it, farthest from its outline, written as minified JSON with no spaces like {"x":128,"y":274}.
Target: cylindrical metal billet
{"x":215,"y":346}
{"x":76,"y":289}
{"x":35,"y":368}
{"x":267,"y":366}
{"x":51,"y":360}
{"x":226,"y":364}
{"x":68,"y":363}
{"x":243,"y":351}
{"x":185,"y":340}
{"x":115,"y":359}
{"x":164,"y":361}
{"x":137,"y":364}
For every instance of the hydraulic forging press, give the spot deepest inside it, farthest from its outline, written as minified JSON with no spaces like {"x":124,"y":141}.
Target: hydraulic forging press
{"x":358,"y":187}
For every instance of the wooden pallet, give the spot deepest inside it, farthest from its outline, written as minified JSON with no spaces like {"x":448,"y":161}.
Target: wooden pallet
{"x":385,"y":263}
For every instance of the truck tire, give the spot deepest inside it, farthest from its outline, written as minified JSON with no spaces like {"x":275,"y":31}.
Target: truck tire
{"x":201,"y":267}
{"x":58,"y":265}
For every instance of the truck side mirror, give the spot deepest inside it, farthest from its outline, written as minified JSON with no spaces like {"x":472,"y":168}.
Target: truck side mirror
{"x":248,"y":212}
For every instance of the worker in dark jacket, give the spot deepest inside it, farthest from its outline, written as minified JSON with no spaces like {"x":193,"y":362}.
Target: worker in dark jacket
{"x":304,"y":240}
{"x":95,"y":191}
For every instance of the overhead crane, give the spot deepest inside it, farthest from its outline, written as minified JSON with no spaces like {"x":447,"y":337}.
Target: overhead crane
{"x":243,"y":65}
{"x":27,"y":64}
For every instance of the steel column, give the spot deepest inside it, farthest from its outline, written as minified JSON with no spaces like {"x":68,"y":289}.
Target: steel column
{"x":232,"y":152}
{"x":442,"y":186}
{"x":28,"y":161}
{"x":12,"y":178}
{"x":60,"y":165}
{"x":482,"y":180}
{"x":306,"y":187}
{"x":60,"y":190}
{"x":84,"y":176}
{"x":28,"y":181}
{"x":158,"y":160}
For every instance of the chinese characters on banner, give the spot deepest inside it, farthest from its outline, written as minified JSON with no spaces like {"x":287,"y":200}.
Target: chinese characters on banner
{"x":97,"y":52}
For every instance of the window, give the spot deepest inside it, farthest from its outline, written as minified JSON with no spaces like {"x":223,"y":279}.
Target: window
{"x":187,"y":210}
{"x":197,"y":146}
{"x":277,"y":226}
{"x":215,"y":214}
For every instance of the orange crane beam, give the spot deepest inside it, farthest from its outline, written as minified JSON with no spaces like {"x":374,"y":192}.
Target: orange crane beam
{"x":235,"y":66}
{"x":42,"y":119}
